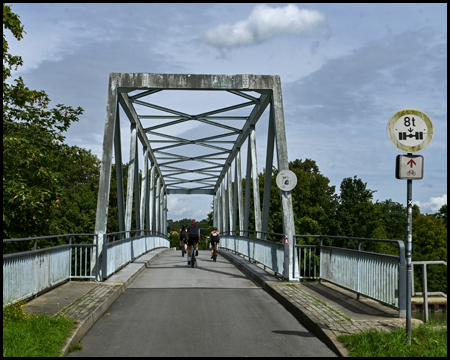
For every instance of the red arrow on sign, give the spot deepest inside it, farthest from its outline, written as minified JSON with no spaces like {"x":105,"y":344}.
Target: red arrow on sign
{"x":411,"y":162}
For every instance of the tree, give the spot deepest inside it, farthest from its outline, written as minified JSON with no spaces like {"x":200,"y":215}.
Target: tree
{"x":429,"y":237}
{"x":35,"y":157}
{"x":442,"y":214}
{"x":313,"y":200}
{"x":356,"y":212}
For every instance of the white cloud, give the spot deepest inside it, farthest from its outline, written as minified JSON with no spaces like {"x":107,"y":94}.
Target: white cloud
{"x":263,"y":24}
{"x":433,"y":205}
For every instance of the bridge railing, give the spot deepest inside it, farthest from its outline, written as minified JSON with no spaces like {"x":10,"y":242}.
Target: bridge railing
{"x":269,"y":253}
{"x":381,"y":277}
{"x":121,"y":248}
{"x":378,"y":276}
{"x":425,"y":292}
{"x":28,"y":273}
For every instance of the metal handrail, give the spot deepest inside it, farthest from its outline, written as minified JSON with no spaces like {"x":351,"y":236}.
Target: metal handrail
{"x":34,"y":284}
{"x":238,"y":233}
{"x":425,"y":292}
{"x":145,"y":233}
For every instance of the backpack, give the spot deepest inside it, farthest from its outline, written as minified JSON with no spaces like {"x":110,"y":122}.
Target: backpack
{"x":183,"y":234}
{"x":193,"y":231}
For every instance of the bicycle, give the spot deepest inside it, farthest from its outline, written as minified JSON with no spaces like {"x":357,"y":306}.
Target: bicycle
{"x":183,"y":250}
{"x":193,"y":259}
{"x":214,"y":255}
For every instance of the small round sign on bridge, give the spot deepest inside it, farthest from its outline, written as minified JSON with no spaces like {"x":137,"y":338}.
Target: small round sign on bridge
{"x":286,"y":180}
{"x":410,"y":130}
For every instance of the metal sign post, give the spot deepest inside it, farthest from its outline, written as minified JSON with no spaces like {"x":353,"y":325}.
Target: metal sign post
{"x":408,"y":260}
{"x":409,"y":130}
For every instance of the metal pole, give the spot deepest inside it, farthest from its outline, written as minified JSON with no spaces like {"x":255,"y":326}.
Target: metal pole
{"x":239,"y":192}
{"x":130,"y":180}
{"x":408,"y":259}
{"x":425,"y":292}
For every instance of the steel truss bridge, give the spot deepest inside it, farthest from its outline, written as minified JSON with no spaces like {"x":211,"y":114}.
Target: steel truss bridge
{"x":179,"y":157}
{"x":171,"y":160}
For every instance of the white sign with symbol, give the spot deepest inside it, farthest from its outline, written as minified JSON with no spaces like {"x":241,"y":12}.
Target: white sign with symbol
{"x":409,"y":167}
{"x":286,"y":180}
{"x":410,"y":130}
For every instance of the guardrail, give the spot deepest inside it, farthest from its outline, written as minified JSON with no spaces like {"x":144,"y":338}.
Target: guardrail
{"x":381,"y":277}
{"x":28,"y":273}
{"x":425,"y":292}
{"x":266,"y":252}
{"x":119,"y":252}
{"x":378,"y":276}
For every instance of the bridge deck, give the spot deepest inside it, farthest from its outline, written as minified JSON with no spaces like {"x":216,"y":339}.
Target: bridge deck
{"x":211,"y":310}
{"x":157,"y":298}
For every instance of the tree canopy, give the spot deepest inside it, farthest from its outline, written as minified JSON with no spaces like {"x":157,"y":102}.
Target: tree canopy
{"x":38,"y":167}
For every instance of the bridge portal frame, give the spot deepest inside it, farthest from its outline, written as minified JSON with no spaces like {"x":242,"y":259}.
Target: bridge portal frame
{"x":153,"y":201}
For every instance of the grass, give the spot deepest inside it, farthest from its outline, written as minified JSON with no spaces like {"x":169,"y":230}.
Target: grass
{"x":427,"y":340}
{"x":28,"y":335}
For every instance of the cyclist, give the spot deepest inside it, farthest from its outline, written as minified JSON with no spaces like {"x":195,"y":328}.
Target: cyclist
{"x":194,"y":238}
{"x":183,"y":237}
{"x":214,"y":239}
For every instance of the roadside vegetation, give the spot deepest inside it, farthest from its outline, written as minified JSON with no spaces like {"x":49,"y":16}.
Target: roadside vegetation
{"x":26,"y":335}
{"x":427,"y":340}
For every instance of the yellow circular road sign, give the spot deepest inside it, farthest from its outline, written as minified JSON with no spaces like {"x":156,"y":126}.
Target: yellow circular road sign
{"x":410,"y":130}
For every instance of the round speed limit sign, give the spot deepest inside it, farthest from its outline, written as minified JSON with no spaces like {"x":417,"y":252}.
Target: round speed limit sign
{"x":410,"y":130}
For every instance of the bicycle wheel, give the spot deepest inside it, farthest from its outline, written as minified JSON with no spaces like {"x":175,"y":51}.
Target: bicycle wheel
{"x":193,"y":259}
{"x":214,"y":255}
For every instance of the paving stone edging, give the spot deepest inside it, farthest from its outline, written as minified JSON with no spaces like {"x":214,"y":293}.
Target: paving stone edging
{"x":311,"y":322}
{"x":90,"y":307}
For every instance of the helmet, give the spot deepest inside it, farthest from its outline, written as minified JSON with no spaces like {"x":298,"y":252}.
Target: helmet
{"x":214,"y":228}
{"x":193,"y":222}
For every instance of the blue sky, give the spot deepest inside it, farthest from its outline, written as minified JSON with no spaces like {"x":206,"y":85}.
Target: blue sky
{"x":345,"y":70}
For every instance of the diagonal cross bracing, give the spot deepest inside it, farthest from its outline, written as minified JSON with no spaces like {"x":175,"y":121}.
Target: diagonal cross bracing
{"x":206,"y":136}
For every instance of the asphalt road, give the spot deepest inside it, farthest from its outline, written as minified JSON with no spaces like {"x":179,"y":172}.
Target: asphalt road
{"x":211,"y":310}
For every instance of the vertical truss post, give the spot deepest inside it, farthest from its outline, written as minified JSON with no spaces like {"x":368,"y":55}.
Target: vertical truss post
{"x":247,"y":187}
{"x":286,"y":196}
{"x":215,"y":210}
{"x":152,"y":198}
{"x":238,"y":183}
{"x":130,"y":180}
{"x":157,"y":204}
{"x":147,"y":199}
{"x":235,"y":209}
{"x":231,"y":227}
{"x":165,"y":212}
{"x":161,"y":210}
{"x":224,"y":207}
{"x":144,"y":190}
{"x":105,"y":176}
{"x":255,"y":178}
{"x":219,"y":211}
{"x":268,"y":174}
{"x":137,"y":198}
{"x":119,"y":172}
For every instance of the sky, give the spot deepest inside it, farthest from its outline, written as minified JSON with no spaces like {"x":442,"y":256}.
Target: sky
{"x":345,"y":70}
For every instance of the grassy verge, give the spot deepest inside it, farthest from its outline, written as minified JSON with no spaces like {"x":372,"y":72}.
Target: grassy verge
{"x":427,"y":340}
{"x":28,"y":335}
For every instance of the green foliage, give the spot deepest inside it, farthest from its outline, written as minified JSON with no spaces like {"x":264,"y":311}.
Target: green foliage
{"x":429,"y":237}
{"x":355,"y":211}
{"x":313,"y":200}
{"x":35,"y":158}
{"x":26,"y":335}
{"x":426,"y":341}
